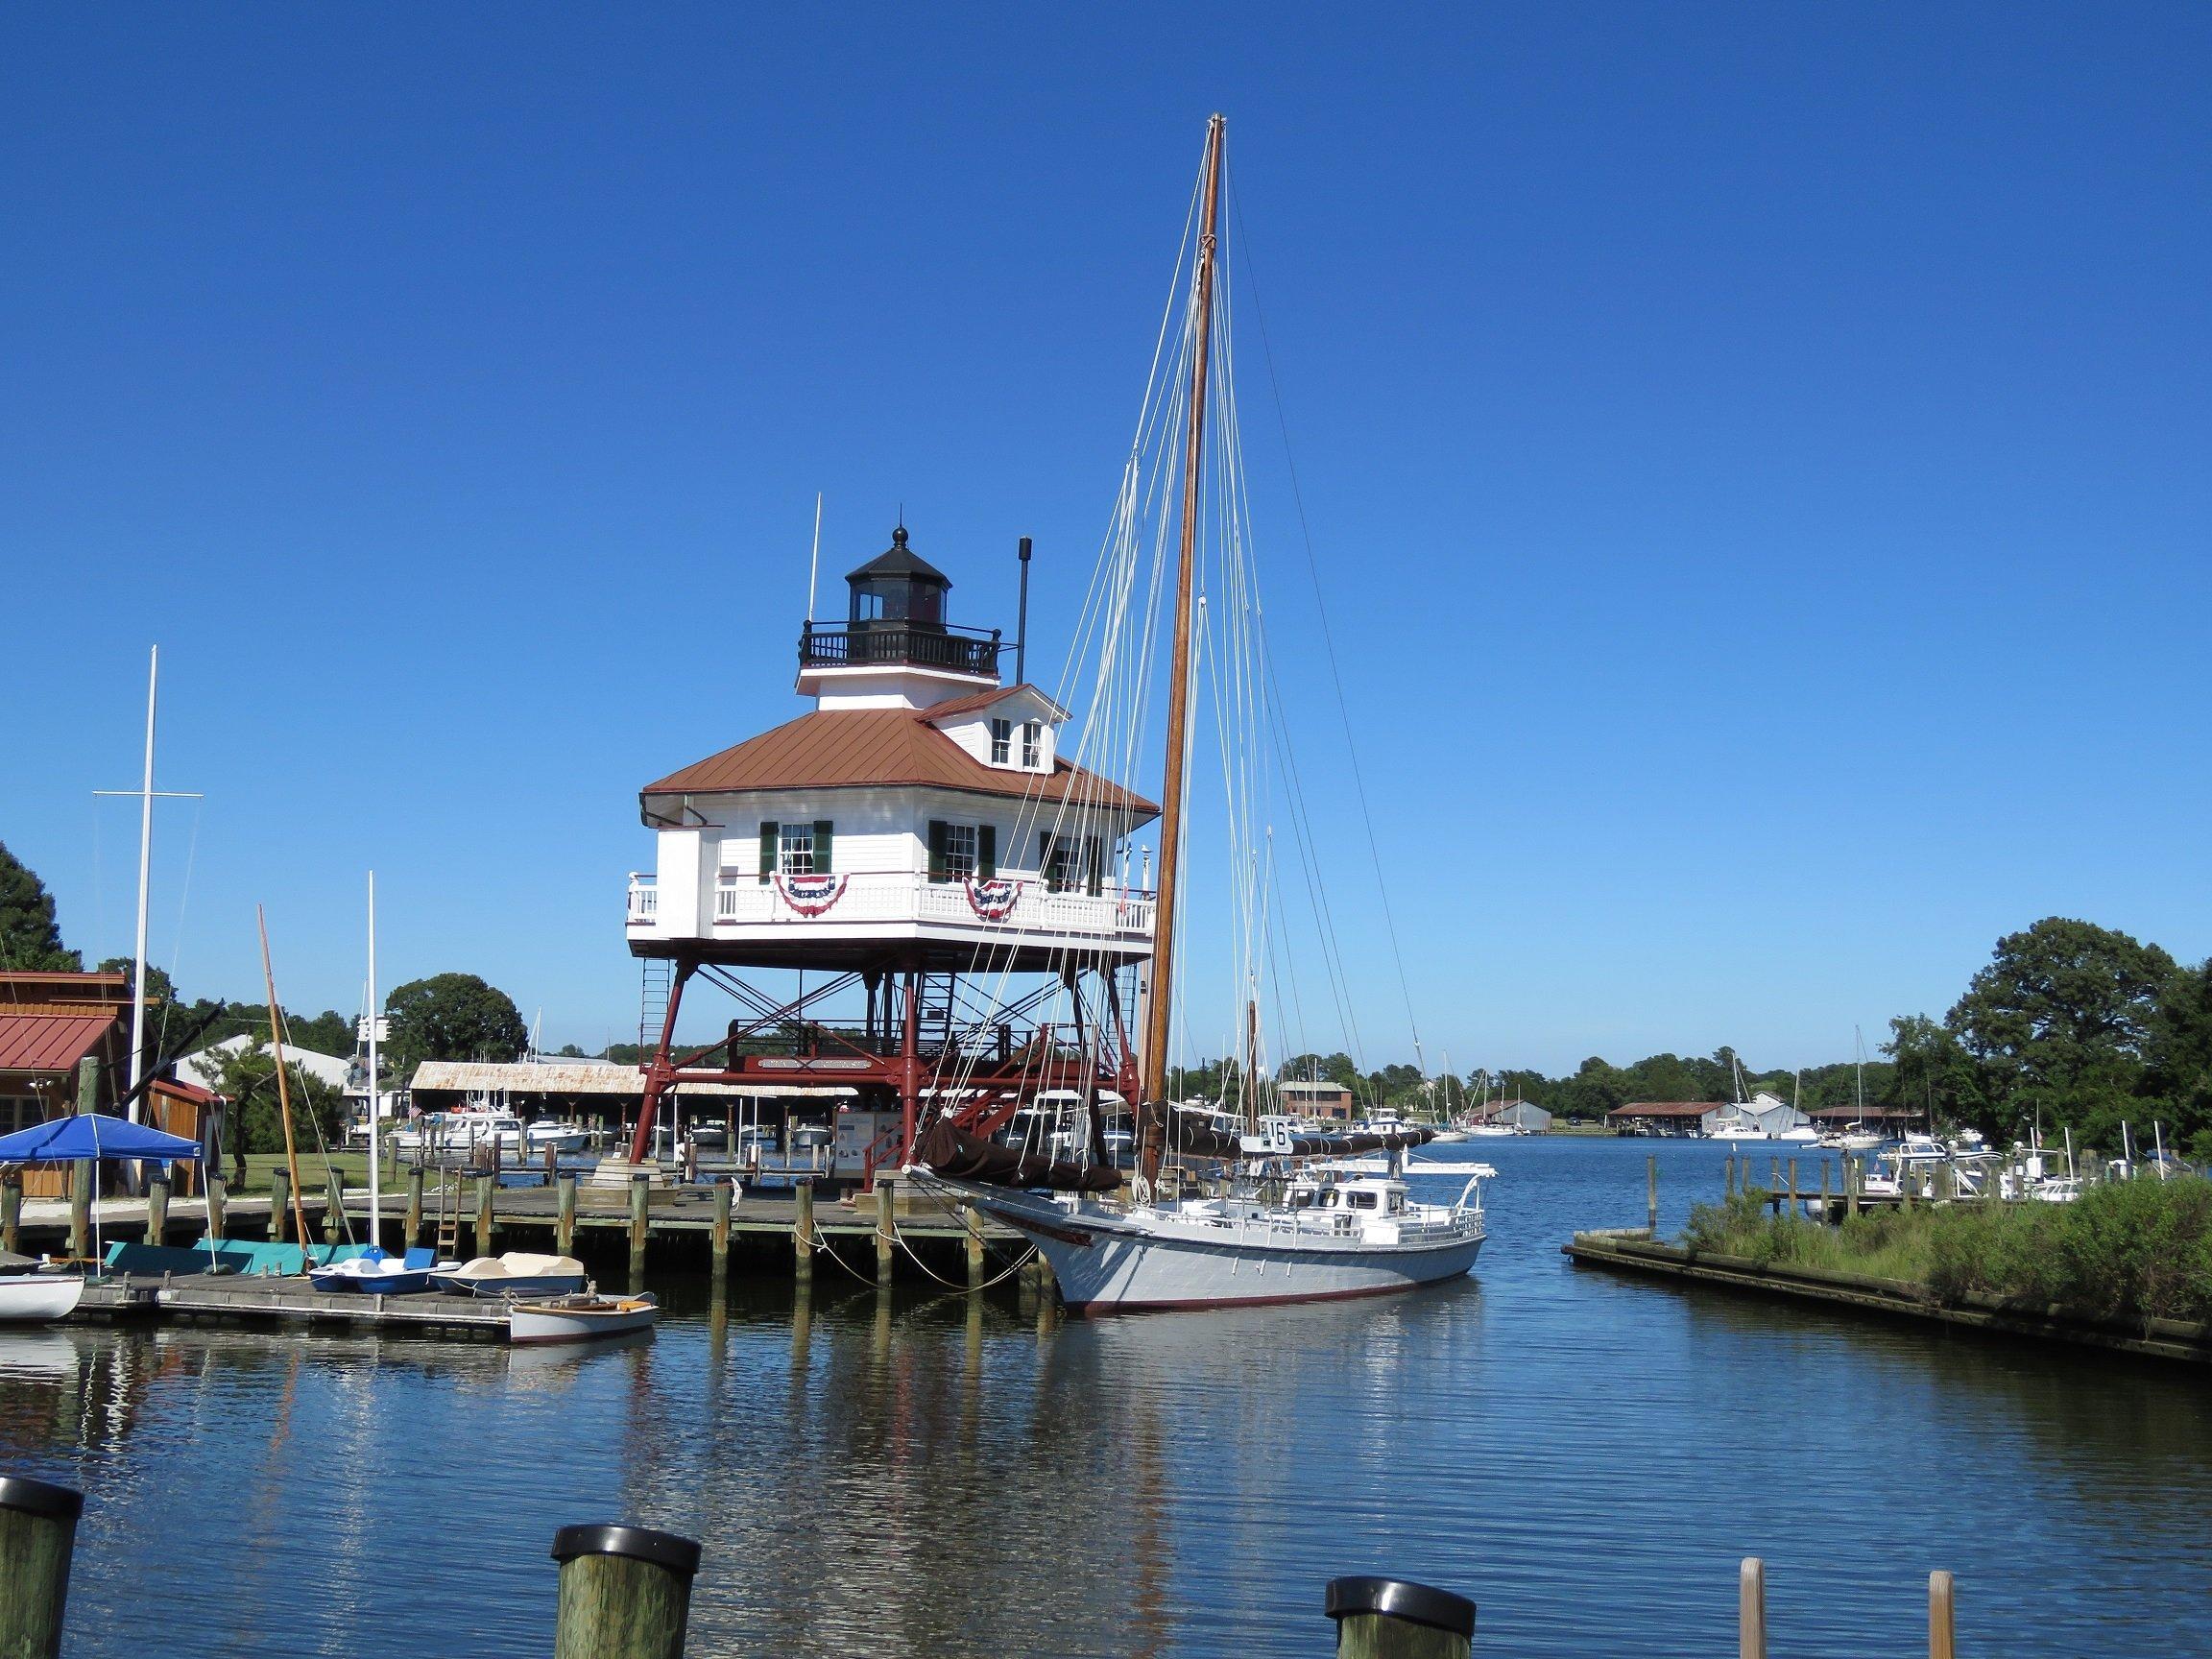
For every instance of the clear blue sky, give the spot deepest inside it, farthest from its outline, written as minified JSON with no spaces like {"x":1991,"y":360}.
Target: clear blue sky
{"x":1758,"y":458}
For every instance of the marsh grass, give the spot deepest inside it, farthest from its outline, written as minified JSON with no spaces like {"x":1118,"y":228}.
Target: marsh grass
{"x":2134,"y":1249}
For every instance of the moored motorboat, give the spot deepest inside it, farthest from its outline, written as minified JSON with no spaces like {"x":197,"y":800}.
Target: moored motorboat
{"x":519,"y":1273}
{"x":579,"y":1318}
{"x":39,"y":1298}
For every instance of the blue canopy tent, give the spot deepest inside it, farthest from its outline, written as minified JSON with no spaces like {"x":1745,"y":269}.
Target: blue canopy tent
{"x":91,"y":1134}
{"x":85,"y":1137}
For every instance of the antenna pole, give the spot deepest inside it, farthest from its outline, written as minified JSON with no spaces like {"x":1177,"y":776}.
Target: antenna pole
{"x":1021,"y":621}
{"x":1158,"y":1014}
{"x":815,"y":558}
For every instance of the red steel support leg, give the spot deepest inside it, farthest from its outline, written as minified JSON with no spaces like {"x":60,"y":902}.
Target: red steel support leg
{"x":660,"y":1073}
{"x":910,"y":1066}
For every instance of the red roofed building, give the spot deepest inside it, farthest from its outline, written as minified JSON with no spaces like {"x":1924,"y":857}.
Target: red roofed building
{"x":916,"y":835}
{"x":1666,"y":1117}
{"x":48,"y":1023}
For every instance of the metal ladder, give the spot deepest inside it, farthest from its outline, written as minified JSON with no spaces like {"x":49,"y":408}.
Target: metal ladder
{"x":653,"y":1003}
{"x":449,"y":1245}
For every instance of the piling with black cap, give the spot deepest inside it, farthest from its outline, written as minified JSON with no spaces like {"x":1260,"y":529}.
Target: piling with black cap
{"x":625,"y":1593}
{"x":1394,"y":1618}
{"x":38,"y":1533}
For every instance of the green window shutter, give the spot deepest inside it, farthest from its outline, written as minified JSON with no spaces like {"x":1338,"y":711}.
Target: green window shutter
{"x":769,"y":832}
{"x":936,"y":849}
{"x":822,"y":828}
{"x":986,"y":851}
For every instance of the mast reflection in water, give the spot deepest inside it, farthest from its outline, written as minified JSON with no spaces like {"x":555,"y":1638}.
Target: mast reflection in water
{"x":934,"y":1476}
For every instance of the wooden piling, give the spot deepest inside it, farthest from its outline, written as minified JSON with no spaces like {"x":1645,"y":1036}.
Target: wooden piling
{"x":81,"y":1207}
{"x":218,"y":1196}
{"x":972,"y":1225}
{"x":1393,"y":1619}
{"x":564,"y":1216}
{"x":718,"y":1243}
{"x":886,"y":1234}
{"x":157,"y":1209}
{"x":486,"y":1186}
{"x":1751,"y":1609}
{"x":803,"y":1233}
{"x":1941,"y":1634}
{"x":37,"y":1535}
{"x":1824,"y":1208}
{"x":10,"y":1213}
{"x":1793,"y":1189}
{"x":641,"y":1206}
{"x":334,"y":1209}
{"x":1728,"y":1176}
{"x":1851,"y":1175}
{"x":280,"y":1204}
{"x":1652,"y":1193}
{"x":414,"y":1233}
{"x":625,"y":1593}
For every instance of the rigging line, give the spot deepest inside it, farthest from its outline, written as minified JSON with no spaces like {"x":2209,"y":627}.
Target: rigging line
{"x":1328,"y":636}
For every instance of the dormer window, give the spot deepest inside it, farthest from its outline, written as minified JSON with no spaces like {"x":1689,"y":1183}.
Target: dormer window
{"x":1032,"y":744}
{"x":1002,"y":741}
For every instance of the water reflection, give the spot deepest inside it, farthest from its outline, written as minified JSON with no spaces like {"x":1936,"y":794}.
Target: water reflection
{"x":943,"y":1475}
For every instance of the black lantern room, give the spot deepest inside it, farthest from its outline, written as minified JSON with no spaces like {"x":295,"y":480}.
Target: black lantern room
{"x":898,"y":588}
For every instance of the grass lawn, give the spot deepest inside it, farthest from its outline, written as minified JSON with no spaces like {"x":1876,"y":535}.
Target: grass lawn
{"x":313,"y":1172}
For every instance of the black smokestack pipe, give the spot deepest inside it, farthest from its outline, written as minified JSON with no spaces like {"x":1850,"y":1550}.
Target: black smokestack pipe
{"x":1022,"y":622}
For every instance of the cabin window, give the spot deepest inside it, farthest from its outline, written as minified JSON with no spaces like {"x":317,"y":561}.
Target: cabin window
{"x":1070,"y":862}
{"x":1362,"y":1200}
{"x":1001,"y":742}
{"x":1032,"y":744}
{"x":795,"y":849}
{"x":961,"y":852}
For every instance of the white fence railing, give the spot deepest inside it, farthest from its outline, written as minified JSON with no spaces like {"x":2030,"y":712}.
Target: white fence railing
{"x":1019,"y":904}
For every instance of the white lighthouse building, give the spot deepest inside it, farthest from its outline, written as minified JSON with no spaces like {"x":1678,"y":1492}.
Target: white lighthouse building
{"x":919,"y":838}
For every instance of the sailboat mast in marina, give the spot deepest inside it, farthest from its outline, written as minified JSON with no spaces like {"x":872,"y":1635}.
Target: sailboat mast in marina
{"x":1272,"y":1222}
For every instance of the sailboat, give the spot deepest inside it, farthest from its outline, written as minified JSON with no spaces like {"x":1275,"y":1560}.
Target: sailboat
{"x":1274,"y":1228}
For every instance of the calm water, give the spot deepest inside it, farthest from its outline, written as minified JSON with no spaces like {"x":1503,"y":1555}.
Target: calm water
{"x":1586,"y":1457}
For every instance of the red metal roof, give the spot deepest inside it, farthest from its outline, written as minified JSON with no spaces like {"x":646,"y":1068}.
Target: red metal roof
{"x":49,"y":1042}
{"x":860,"y":748}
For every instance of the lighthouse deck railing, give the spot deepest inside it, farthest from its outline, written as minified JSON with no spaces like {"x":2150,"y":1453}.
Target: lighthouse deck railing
{"x":1017,"y":903}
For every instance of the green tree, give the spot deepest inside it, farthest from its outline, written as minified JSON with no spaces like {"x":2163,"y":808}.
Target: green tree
{"x":247,"y":1081}
{"x":29,"y":938}
{"x":2061,"y":1021}
{"x":1930,"y":1072}
{"x":1337,"y":1068}
{"x":452,"y":1017}
{"x":2179,"y":1074}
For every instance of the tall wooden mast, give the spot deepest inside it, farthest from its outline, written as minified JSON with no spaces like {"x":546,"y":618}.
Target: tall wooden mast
{"x":1160,"y":1007}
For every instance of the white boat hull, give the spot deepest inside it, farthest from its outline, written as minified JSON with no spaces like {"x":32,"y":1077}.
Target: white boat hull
{"x":1110,"y":1261}
{"x":545,"y":1322}
{"x":38,"y":1298}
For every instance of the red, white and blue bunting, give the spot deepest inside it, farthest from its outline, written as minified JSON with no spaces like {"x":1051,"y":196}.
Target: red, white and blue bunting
{"x":812,"y":895}
{"x":993,"y":900}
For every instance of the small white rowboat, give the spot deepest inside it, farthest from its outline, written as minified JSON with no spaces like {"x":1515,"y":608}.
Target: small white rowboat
{"x":38,"y":1298}
{"x":580,"y":1318}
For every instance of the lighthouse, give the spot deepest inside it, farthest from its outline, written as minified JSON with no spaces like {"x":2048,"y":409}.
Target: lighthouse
{"x":909,"y":892}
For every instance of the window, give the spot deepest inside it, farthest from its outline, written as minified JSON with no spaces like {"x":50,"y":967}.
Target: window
{"x":1001,"y":742}
{"x":958,"y":851}
{"x":1032,"y":744}
{"x":795,"y":849}
{"x":1070,"y":862}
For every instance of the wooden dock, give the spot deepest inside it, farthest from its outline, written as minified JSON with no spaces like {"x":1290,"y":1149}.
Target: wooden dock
{"x":251,"y":1300}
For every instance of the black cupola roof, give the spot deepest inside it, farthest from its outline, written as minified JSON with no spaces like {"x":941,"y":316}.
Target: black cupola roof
{"x":901,"y":560}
